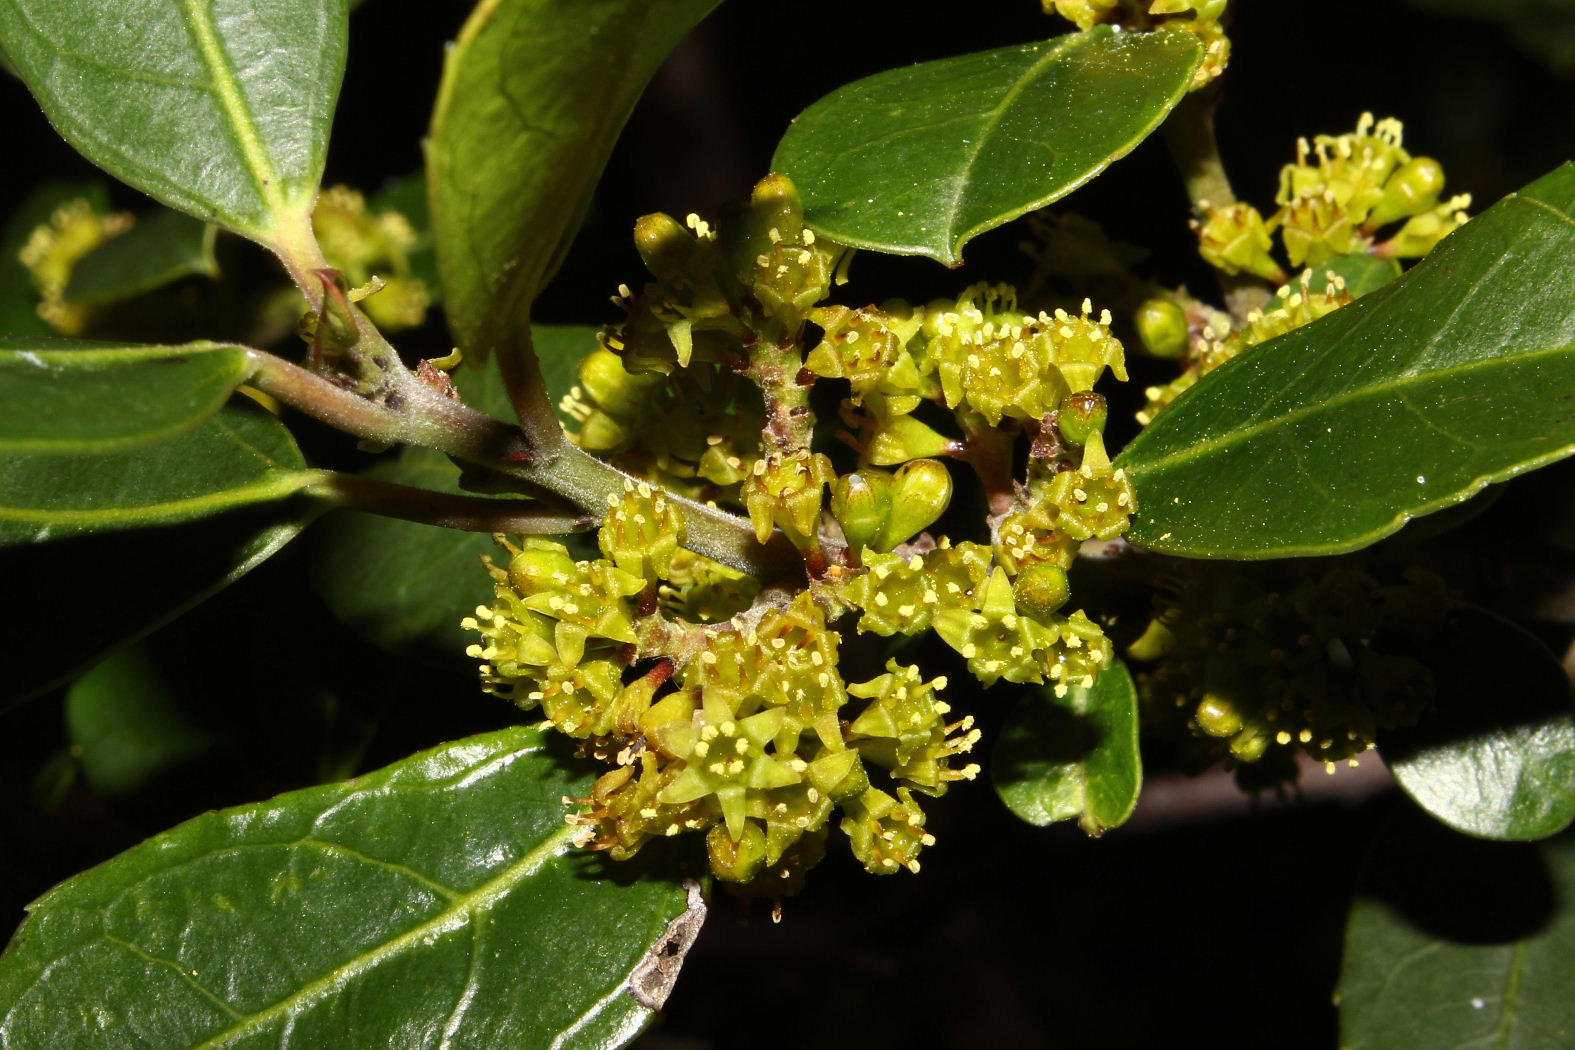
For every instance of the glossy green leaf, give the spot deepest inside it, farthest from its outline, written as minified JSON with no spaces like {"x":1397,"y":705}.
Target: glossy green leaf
{"x":58,"y":397}
{"x":136,"y":581}
{"x":162,"y":247}
{"x":124,"y":728}
{"x":1461,"y":944}
{"x":436,"y":902}
{"x":217,"y":108}
{"x":239,"y":456}
{"x":18,"y":296}
{"x":1497,"y":757}
{"x":1361,"y":273}
{"x":406,"y":586}
{"x":1409,"y":400}
{"x":1074,"y":756}
{"x":534,"y":93}
{"x":920,"y":160}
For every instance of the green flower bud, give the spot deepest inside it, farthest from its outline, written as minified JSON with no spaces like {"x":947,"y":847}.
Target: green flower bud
{"x":897,"y":439}
{"x":861,"y":503}
{"x":1041,"y":589}
{"x":1082,"y":415}
{"x":666,"y":247}
{"x":1162,"y":325}
{"x":540,"y":565}
{"x":1411,"y":190}
{"x":1422,"y":233}
{"x":1217,"y":716}
{"x":919,"y":496}
{"x":736,"y":860}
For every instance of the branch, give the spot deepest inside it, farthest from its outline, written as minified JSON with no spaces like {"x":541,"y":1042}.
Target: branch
{"x":422,"y":416}
{"x":468,"y":513}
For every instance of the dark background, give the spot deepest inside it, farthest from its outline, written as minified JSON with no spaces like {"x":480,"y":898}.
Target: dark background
{"x":1203,"y":923}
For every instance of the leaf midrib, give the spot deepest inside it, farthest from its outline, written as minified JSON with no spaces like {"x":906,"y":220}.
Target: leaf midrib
{"x":1212,"y":445}
{"x":463,"y":907}
{"x":992,"y":120}
{"x":227,"y":91}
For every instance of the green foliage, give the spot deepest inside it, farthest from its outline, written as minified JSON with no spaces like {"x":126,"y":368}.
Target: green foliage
{"x":977,"y":140}
{"x":1453,"y":942}
{"x":162,"y":247}
{"x":219,"y":112}
{"x":1076,"y":756}
{"x":238,"y":456}
{"x":254,"y":923}
{"x":1504,"y":770}
{"x":1336,"y":434}
{"x":706,"y":541}
{"x":533,"y":97}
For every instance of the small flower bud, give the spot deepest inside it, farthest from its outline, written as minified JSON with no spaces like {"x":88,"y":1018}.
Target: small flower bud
{"x":920,"y":494}
{"x":664,"y":245}
{"x":1162,"y":326}
{"x":1041,"y":589}
{"x":736,"y":860}
{"x":861,"y":503}
{"x":1217,"y":716}
{"x":1411,"y":190}
{"x":1082,"y":415}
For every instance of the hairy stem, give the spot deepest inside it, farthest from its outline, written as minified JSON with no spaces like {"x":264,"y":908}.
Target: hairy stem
{"x":1190,"y":135}
{"x":527,"y":389}
{"x":296,"y":246}
{"x":422,"y":416}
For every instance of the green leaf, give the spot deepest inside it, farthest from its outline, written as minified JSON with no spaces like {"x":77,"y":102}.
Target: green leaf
{"x":1362,"y":273}
{"x":124,"y":729}
{"x":436,"y":902}
{"x":161,"y":248}
{"x":919,"y":161}
{"x":1072,"y":756}
{"x":92,"y":397}
{"x":403,"y":585}
{"x":534,"y":93}
{"x":135,"y":582}
{"x":1409,"y":400}
{"x":560,"y":349}
{"x":1497,"y":757}
{"x":18,"y":296}
{"x":220,"y":110}
{"x":1454,"y":942}
{"x":239,"y":456}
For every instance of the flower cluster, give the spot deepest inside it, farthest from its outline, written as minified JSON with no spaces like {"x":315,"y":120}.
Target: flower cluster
{"x":1263,"y":661}
{"x":721,"y":701}
{"x":373,"y":249}
{"x":1333,"y":201}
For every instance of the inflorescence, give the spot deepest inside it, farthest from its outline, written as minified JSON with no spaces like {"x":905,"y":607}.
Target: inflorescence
{"x":718,"y":700}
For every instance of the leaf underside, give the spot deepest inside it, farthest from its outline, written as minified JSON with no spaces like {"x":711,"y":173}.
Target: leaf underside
{"x":218,"y":108}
